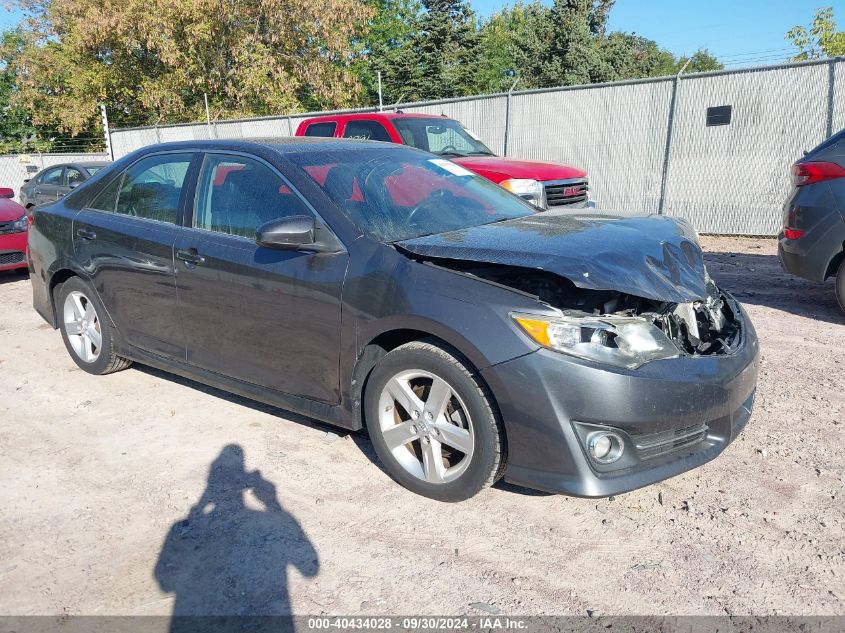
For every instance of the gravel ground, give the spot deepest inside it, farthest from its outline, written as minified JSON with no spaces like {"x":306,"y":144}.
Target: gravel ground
{"x":107,"y":484}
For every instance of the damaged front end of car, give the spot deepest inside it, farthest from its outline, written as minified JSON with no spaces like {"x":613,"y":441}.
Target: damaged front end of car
{"x":613,"y":327}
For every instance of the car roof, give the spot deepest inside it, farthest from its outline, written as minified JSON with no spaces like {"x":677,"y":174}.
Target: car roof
{"x":281,"y":144}
{"x":87,"y":163}
{"x":372,"y":116}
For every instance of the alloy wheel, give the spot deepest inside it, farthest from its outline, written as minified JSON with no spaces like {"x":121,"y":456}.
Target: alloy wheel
{"x":82,"y":325}
{"x":426,"y":426}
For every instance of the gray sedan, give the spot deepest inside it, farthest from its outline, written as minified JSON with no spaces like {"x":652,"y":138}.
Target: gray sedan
{"x":56,"y":181}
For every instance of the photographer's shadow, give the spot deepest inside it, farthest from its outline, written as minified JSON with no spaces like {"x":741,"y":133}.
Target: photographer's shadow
{"x":226,"y":559}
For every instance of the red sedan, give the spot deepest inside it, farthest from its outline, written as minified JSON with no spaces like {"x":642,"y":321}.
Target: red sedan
{"x":14,"y":224}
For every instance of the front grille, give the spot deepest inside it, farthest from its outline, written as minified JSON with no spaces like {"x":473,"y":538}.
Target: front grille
{"x":561,"y":193}
{"x":655,"y":444}
{"x":11,"y":257}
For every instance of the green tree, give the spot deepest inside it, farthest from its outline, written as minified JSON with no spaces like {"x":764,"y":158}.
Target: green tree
{"x":448,"y":49}
{"x":820,"y":40}
{"x":575,"y":54}
{"x":517,"y":40}
{"x":390,"y":47}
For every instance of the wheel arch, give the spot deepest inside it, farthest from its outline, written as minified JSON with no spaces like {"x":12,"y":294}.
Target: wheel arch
{"x":835,"y":262}
{"x":387,"y":339}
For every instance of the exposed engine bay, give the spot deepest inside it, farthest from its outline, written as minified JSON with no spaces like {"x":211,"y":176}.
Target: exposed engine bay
{"x":697,"y":328}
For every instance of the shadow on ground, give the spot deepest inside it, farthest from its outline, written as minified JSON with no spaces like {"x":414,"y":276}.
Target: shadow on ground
{"x":226,"y":562}
{"x":758,"y":279}
{"x":11,"y":276}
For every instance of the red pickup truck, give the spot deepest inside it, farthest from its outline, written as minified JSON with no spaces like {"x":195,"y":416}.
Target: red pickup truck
{"x":544,"y":184}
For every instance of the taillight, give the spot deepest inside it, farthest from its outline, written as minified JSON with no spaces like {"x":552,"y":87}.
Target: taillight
{"x":793,"y":234}
{"x":808,"y":173}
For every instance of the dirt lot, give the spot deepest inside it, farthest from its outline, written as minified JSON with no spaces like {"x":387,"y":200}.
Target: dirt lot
{"x":99,"y":474}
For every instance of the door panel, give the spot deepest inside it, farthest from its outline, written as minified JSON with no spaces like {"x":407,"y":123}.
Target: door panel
{"x":125,"y":243}
{"x":268,"y":317}
{"x":130,"y":261}
{"x":47,"y":188}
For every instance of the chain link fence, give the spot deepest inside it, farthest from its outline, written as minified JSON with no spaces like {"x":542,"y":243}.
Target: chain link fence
{"x":648,"y":145}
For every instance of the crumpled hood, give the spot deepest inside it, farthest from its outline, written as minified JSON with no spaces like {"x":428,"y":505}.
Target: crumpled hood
{"x":654,"y":257}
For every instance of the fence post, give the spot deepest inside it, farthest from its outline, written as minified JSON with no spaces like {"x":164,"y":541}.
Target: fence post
{"x":290,"y":128}
{"x":106,"y":131}
{"x":508,"y":116}
{"x":669,"y":129}
{"x":831,"y":78}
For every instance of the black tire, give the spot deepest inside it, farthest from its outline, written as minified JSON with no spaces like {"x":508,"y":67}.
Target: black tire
{"x":106,"y":361}
{"x":840,"y":286}
{"x":487,"y":462}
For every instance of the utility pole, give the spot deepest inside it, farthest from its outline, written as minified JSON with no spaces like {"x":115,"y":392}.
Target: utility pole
{"x":106,"y":132}
{"x":380,"y":107}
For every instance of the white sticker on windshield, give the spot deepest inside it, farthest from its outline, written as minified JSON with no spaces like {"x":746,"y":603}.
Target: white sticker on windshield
{"x":451,"y":167}
{"x":472,"y":134}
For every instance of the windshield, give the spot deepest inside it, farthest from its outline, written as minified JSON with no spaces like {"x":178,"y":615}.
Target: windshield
{"x":394,"y":193}
{"x":442,"y":136}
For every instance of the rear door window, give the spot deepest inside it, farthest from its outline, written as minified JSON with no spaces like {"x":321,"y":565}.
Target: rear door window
{"x":321,"y":129}
{"x":152,"y":187}
{"x":366,"y":130}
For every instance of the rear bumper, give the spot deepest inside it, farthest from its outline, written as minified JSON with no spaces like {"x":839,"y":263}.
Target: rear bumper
{"x":692,"y":407}
{"x":814,"y":210}
{"x":13,"y":251}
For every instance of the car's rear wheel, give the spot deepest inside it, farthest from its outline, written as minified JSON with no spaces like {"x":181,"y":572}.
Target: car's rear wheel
{"x":433,"y":422}
{"x":87,"y":335}
{"x":840,"y":285}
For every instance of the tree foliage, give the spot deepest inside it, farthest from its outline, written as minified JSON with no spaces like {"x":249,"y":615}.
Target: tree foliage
{"x":152,"y":60}
{"x":820,"y":40}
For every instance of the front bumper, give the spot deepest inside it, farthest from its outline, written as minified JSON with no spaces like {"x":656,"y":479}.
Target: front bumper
{"x":548,"y":399}
{"x":13,"y":251}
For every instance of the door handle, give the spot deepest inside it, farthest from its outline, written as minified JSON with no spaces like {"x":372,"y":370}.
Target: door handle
{"x":85,"y":234}
{"x":190,"y":256}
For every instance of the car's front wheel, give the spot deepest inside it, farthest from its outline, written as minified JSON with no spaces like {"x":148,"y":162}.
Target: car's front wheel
{"x":433,"y":422}
{"x":87,"y":335}
{"x":840,"y":285}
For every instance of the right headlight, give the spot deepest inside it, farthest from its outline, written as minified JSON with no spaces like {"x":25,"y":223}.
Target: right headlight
{"x":620,"y":341}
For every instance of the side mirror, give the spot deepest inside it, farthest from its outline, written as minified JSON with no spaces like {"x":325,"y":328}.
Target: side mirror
{"x":6,"y":192}
{"x":74,"y":185}
{"x":291,"y":233}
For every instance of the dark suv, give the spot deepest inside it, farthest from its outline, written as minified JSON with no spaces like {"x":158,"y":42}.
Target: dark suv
{"x":370,"y":283}
{"x":812,"y":241}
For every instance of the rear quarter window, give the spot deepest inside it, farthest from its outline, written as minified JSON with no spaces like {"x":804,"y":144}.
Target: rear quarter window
{"x":325,"y":129}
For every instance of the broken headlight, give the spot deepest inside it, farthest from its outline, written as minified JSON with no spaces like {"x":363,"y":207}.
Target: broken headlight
{"x":620,"y":341}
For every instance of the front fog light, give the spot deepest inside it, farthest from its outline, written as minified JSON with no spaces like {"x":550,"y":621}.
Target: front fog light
{"x":604,"y":447}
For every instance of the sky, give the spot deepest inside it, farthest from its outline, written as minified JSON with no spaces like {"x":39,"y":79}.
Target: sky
{"x":738,"y":32}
